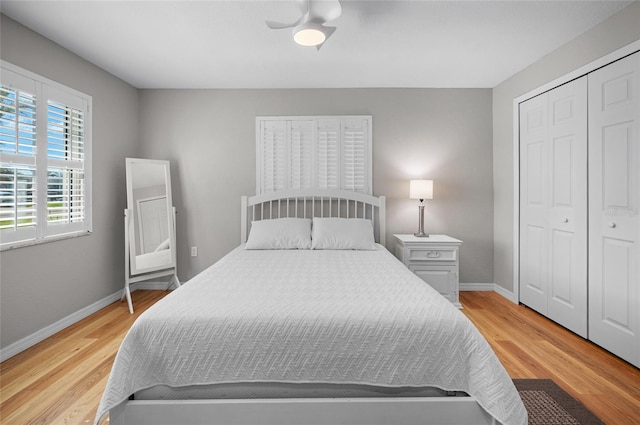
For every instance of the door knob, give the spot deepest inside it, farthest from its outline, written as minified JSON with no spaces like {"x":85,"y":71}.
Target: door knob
{"x":612,"y":225}
{"x":565,"y":220}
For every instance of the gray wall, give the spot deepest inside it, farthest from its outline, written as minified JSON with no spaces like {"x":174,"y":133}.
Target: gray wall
{"x":441,"y":134}
{"x":616,"y":32}
{"x":42,"y":284}
{"x":209,"y":136}
{"x":461,"y":138}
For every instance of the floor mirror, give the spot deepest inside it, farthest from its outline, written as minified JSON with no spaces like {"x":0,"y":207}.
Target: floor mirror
{"x":150,"y":225}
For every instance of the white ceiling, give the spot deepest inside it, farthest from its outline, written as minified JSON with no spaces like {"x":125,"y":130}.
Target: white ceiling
{"x":392,"y":43}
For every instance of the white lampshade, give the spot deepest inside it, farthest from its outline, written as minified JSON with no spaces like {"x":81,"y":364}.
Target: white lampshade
{"x":421,"y":189}
{"x":309,"y":34}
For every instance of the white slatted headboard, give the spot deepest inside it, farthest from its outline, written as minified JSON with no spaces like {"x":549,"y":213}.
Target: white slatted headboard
{"x":309,"y":203}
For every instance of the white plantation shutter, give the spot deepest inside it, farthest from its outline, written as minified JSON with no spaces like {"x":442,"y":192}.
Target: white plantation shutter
{"x":300,"y":154}
{"x":44,"y":159}
{"x":354,"y":156}
{"x":65,"y":132}
{"x":329,"y":152}
{"x":65,"y":170}
{"x":18,"y":200}
{"x":65,"y":196}
{"x":327,"y":157}
{"x":17,"y":120}
{"x":273,"y":153}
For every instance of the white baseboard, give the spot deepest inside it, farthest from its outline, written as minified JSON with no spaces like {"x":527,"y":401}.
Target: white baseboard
{"x":506,"y":293}
{"x":477,"y":286}
{"x":44,"y":333}
{"x":489,"y":287}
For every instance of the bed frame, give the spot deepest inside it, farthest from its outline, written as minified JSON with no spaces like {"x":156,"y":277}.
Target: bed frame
{"x":311,"y":203}
{"x":459,"y":410}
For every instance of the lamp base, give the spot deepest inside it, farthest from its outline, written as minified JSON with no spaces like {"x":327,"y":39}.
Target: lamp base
{"x":420,"y":233}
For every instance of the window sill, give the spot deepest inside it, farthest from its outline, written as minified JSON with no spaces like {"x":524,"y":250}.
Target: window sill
{"x":21,"y":244}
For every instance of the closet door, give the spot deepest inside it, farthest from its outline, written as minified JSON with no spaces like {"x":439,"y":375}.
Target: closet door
{"x":554,"y":205}
{"x":534,"y":238}
{"x":567,"y":217}
{"x":614,"y":208}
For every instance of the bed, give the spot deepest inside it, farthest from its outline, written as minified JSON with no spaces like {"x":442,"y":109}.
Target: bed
{"x":310,"y":320}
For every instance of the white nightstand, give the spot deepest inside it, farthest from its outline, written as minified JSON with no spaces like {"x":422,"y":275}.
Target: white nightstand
{"x":433,"y":259}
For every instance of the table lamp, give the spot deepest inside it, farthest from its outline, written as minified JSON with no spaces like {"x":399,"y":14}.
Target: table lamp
{"x":421,"y":189}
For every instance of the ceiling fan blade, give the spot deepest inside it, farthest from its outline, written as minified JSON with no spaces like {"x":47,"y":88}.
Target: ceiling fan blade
{"x":327,"y":33}
{"x":322,"y":11}
{"x":303,"y":5}
{"x":280,"y":25}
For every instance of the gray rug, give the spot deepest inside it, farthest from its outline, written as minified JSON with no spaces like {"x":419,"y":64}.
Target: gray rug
{"x":548,"y":404}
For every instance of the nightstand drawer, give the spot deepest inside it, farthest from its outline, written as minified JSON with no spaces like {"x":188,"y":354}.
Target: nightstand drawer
{"x":442,"y":279}
{"x":432,"y":254}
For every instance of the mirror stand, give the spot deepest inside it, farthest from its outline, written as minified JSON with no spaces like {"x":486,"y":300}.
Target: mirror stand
{"x":129,"y":278}
{"x":150,"y":224}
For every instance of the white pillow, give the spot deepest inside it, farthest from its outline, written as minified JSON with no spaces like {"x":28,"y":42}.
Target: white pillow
{"x":342,"y":233}
{"x":280,"y":233}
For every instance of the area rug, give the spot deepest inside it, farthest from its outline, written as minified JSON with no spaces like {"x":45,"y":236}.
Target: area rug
{"x":548,"y":404}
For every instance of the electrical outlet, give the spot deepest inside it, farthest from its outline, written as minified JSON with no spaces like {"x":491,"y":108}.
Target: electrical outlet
{"x":194,"y":251}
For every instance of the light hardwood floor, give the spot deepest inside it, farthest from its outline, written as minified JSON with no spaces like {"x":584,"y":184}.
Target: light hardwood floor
{"x":531,"y":346}
{"x":60,"y":380}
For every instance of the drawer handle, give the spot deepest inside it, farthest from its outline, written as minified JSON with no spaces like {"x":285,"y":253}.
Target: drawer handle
{"x":612,"y":225}
{"x":565,"y":220}
{"x":433,"y":254}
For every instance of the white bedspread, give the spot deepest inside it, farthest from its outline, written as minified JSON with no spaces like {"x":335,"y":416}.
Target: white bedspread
{"x":310,"y":316}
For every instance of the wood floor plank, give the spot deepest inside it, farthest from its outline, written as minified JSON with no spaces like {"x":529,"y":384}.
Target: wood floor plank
{"x":59,"y":388}
{"x":611,"y":409}
{"x":519,"y":363}
{"x":61,"y":379}
{"x":528,"y":343}
{"x":44,"y":362}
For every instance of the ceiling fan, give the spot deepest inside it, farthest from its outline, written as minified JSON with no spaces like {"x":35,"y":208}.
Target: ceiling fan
{"x":310,"y":28}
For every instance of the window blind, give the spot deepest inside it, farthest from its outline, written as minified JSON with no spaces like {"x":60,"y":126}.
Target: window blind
{"x":44,"y":161}
{"x":273,"y":136}
{"x":354,"y":151}
{"x":65,"y":196}
{"x":300,"y":159}
{"x":17,"y":122}
{"x":18,"y":200}
{"x":327,"y":158}
{"x":65,"y":175}
{"x":17,"y":197}
{"x":331,"y":152}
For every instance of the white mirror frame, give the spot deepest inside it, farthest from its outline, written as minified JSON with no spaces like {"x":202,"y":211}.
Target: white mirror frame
{"x":135,"y":270}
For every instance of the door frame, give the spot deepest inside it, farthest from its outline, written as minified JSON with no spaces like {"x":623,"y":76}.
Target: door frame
{"x":584,"y":70}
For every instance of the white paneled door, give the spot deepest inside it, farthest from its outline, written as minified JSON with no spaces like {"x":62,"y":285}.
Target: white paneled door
{"x":533,"y":203}
{"x":553,"y":204}
{"x":614,"y":208}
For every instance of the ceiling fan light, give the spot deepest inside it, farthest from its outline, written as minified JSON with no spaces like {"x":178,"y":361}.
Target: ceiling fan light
{"x":309,"y":34}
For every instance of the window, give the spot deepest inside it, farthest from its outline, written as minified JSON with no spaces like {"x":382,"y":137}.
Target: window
{"x":331,"y":152}
{"x":45,"y":161}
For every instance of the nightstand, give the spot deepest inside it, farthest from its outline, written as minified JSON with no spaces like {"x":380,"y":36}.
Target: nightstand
{"x":433,"y":259}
